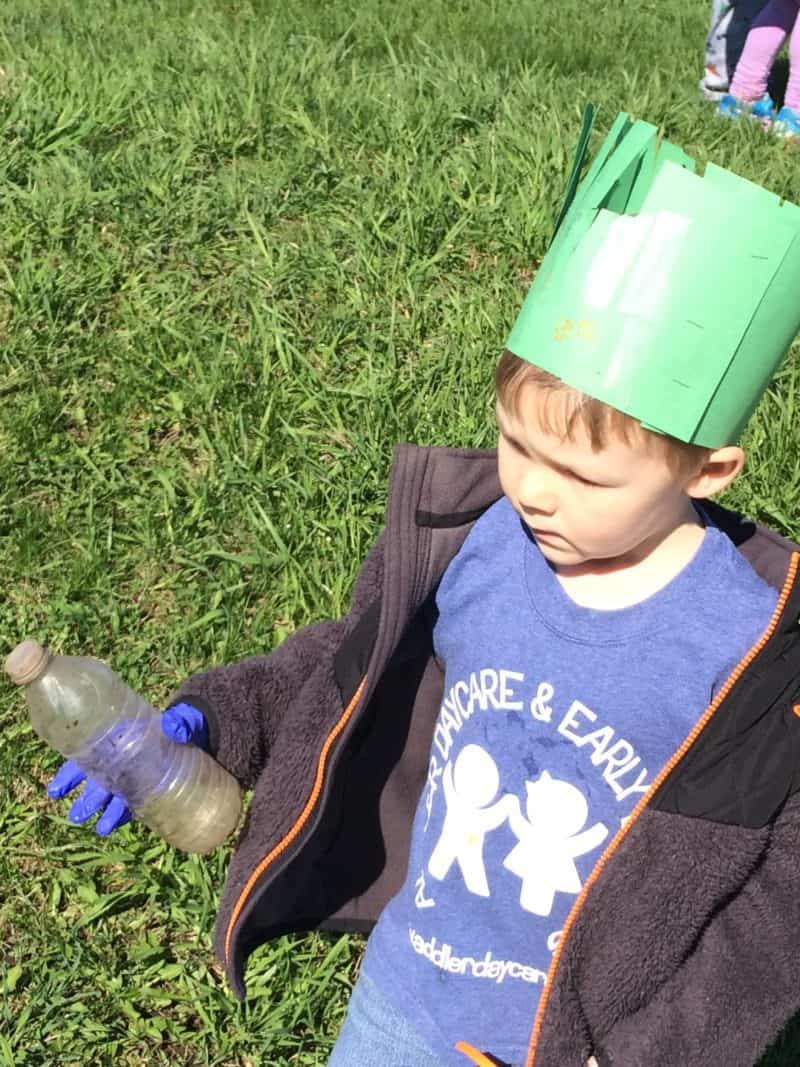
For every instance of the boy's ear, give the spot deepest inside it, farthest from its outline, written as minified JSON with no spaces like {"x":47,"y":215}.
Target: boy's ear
{"x":719,"y":469}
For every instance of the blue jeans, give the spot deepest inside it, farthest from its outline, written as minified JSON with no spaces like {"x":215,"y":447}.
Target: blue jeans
{"x":376,"y":1035}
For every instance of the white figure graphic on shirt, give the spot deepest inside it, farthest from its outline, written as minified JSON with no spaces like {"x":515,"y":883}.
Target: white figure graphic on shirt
{"x":549,"y":841}
{"x":469,"y":787}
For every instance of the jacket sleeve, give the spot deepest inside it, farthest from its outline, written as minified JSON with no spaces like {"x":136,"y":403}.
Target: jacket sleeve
{"x":244,"y":703}
{"x":740,"y":985}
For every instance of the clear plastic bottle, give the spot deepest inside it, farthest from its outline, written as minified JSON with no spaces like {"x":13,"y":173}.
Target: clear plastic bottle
{"x":80,"y":707}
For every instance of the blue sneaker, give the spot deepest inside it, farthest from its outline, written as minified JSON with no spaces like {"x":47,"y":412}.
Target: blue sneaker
{"x":761,"y":111}
{"x":787,"y":122}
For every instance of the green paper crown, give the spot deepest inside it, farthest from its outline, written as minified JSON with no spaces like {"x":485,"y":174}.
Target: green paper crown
{"x":670,"y":296}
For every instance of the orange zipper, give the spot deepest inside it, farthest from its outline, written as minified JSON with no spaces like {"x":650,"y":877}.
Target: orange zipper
{"x":284,"y":843}
{"x":472,"y":1053}
{"x":667,"y":769}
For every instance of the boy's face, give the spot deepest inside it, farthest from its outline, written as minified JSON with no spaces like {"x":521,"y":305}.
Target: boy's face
{"x":616,"y":505}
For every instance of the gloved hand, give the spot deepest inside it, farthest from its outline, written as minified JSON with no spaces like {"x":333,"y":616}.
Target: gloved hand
{"x":182,"y":723}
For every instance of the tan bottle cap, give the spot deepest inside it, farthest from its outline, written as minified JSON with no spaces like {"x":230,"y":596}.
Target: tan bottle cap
{"x":27,"y":662}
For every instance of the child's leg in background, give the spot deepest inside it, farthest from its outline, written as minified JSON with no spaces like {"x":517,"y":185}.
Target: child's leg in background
{"x":743,"y":15}
{"x":792,"y":98}
{"x":716,"y":65}
{"x":764,"y":41}
{"x":727,"y":33}
{"x":375,"y":1034}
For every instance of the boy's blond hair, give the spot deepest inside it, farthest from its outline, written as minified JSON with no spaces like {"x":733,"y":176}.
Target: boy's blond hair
{"x":598,"y":420}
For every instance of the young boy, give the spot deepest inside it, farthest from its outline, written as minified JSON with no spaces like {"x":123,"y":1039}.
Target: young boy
{"x":555,"y":744}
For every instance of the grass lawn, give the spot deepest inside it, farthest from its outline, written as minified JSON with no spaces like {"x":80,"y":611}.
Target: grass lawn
{"x":245,"y":248}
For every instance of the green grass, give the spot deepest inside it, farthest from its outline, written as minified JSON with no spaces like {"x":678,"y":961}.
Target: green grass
{"x":245,"y":248}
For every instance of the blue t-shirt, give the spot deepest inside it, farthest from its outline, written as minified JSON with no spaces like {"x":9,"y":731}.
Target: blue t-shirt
{"x":555,"y":720}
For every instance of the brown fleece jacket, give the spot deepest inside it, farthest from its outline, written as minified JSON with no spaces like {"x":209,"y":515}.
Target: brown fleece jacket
{"x":682,"y":949}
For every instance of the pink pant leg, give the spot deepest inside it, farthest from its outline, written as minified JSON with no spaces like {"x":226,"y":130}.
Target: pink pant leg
{"x":764,"y":41}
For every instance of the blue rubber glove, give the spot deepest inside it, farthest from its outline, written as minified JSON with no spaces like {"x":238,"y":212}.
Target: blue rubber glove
{"x":182,"y":723}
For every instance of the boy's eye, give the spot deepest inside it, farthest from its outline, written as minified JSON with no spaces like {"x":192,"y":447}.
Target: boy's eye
{"x":587,"y":481}
{"x":522,"y":451}
{"x":514,"y":444}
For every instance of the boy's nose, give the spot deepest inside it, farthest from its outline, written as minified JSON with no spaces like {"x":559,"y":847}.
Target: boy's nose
{"x":536,"y":495}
